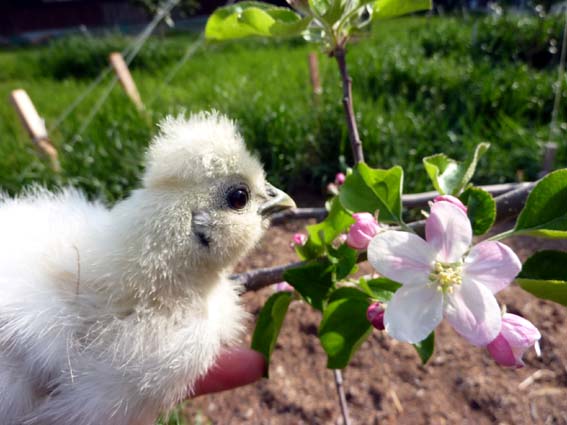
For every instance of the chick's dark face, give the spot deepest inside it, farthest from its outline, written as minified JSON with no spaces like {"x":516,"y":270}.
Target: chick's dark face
{"x":235,"y":216}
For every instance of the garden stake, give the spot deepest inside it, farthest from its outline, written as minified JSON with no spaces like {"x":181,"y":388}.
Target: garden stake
{"x":35,"y":126}
{"x":314,"y":75}
{"x":125,"y":77}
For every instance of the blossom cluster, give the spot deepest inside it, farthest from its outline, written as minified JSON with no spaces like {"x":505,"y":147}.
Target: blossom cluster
{"x":445,"y":276}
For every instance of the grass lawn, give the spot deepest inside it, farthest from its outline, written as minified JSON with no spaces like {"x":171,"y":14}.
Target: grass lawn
{"x":421,"y":86}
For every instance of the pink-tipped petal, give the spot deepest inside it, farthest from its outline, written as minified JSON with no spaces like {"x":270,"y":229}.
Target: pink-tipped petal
{"x":401,"y":256}
{"x":501,"y":352}
{"x":473,"y":312}
{"x":413,"y":313}
{"x":448,"y":231}
{"x":519,"y":332}
{"x":492,"y":264}
{"x":452,"y":199}
{"x":362,"y":231}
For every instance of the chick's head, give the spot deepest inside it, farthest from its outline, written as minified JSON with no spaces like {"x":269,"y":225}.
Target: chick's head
{"x":216,"y":192}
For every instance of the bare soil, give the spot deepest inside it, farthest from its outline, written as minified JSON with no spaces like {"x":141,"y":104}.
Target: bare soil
{"x":386,"y":383}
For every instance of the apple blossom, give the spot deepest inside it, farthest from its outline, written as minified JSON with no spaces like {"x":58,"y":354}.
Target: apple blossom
{"x":340,"y":179}
{"x":443,"y":276}
{"x":375,"y":315}
{"x":452,"y":199}
{"x":283,"y":287}
{"x":362,"y":231}
{"x":515,"y":338}
{"x":299,"y":239}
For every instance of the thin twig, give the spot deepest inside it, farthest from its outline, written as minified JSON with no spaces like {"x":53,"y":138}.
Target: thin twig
{"x":342,"y":398}
{"x":559,"y":85}
{"x":339,"y":54}
{"x":508,"y":206}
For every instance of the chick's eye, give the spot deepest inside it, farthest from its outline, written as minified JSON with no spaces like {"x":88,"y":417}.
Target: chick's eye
{"x":237,"y":198}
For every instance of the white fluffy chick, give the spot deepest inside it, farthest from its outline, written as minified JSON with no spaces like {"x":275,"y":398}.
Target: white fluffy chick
{"x":108,"y":317}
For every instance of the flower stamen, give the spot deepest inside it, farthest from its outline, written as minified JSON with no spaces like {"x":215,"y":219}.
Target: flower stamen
{"x":446,"y":276}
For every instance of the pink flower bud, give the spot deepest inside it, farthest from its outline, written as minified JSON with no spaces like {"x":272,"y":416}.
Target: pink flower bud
{"x":515,"y":338}
{"x":362,"y":231}
{"x":299,"y":239}
{"x":283,"y":287}
{"x":375,"y":315}
{"x":340,"y":179}
{"x":451,"y":199}
{"x":332,"y":189}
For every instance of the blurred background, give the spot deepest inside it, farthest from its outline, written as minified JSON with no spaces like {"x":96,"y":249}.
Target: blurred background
{"x":469,"y":71}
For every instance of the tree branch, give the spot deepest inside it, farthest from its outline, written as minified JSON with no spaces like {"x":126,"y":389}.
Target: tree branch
{"x":339,"y":54}
{"x":413,"y":200}
{"x":508,"y":206}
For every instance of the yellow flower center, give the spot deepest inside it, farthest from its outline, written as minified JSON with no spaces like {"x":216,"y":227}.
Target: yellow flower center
{"x":445,"y":276}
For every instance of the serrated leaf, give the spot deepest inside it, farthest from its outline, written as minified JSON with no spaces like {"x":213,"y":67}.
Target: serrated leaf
{"x":385,"y":9}
{"x":545,"y":212}
{"x":345,"y":259}
{"x":322,"y":234}
{"x":544,"y":275}
{"x":338,"y":221}
{"x":313,"y":281}
{"x":381,"y":289}
{"x":368,"y":189}
{"x":481,"y":209}
{"x":344,"y":326}
{"x":250,"y":18}
{"x":269,"y":324}
{"x":449,"y":176}
{"x":425,"y":348}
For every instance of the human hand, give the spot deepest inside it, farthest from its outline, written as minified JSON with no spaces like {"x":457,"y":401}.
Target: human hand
{"x":234,"y":368}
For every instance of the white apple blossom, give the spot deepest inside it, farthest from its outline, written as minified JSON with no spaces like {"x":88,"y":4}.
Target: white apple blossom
{"x":443,"y":276}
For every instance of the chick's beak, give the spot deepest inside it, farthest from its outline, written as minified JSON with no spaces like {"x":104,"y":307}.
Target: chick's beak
{"x":277,"y":201}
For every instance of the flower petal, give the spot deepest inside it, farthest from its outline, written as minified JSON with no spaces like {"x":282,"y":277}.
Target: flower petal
{"x":413,"y":312}
{"x":501,"y":352}
{"x":519,"y":332}
{"x":474,"y":313}
{"x":401,"y":256}
{"x":448,"y":230}
{"x":492,"y":264}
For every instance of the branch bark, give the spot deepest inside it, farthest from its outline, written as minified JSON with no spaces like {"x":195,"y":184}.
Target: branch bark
{"x":413,"y":200}
{"x":508,"y":206}
{"x":339,"y":53}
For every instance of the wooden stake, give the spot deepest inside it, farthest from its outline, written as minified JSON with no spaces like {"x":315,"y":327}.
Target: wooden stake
{"x":125,"y":78}
{"x":35,"y":126}
{"x":549,"y":153}
{"x":314,"y":74}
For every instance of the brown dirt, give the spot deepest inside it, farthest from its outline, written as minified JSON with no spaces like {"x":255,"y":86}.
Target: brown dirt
{"x":385,"y":382}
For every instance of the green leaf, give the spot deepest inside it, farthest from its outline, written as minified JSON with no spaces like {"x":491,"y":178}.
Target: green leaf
{"x":481,"y":209}
{"x":381,"y":289}
{"x":369,"y":189}
{"x":544,"y":275}
{"x":345,"y":259}
{"x":313,"y":281}
{"x":449,"y":176}
{"x":320,"y":235}
{"x":344,"y":326}
{"x":426,"y":347}
{"x":338,"y":221}
{"x":270,"y":323}
{"x":250,"y":18}
{"x":384,"y":9}
{"x":545,"y":212}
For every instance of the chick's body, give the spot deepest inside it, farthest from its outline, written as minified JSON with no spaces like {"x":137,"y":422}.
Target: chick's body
{"x":110,"y":316}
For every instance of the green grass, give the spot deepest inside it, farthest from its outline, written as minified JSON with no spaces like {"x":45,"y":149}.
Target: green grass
{"x":420,"y":87}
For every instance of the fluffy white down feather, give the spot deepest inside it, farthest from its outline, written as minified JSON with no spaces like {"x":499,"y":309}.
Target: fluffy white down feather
{"x":108,"y":316}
